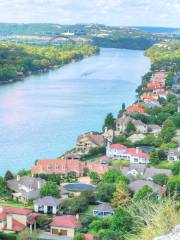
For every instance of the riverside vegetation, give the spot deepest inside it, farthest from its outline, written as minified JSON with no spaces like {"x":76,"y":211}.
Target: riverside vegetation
{"x":17,"y":60}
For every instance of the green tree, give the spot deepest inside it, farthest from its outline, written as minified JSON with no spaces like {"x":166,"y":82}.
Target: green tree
{"x":145,"y":193}
{"x":50,"y":189}
{"x":105,"y":191}
{"x":161,"y":179}
{"x":114,"y":176}
{"x":176,"y":168}
{"x":174,"y":185}
{"x":130,"y":128}
{"x":8,"y":176}
{"x":154,"y":158}
{"x":94,"y":177}
{"x":121,"y":197}
{"x":168,"y":131}
{"x":109,"y":122}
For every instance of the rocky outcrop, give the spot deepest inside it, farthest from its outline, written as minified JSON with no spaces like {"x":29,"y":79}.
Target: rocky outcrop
{"x":174,"y":235}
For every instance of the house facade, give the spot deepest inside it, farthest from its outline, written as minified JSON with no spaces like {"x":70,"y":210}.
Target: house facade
{"x":58,"y":166}
{"x":65,"y":225}
{"x":88,"y":141}
{"x":14,"y":220}
{"x":133,"y":155}
{"x":47,"y":205}
{"x":25,"y":188}
{"x":174,"y":155}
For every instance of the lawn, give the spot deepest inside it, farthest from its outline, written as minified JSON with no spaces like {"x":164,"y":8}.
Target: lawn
{"x":165,"y":165}
{"x":15,"y":204}
{"x":123,"y":163}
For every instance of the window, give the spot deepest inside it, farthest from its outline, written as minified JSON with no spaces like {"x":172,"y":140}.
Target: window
{"x":56,"y":167}
{"x":49,"y":167}
{"x":63,"y":167}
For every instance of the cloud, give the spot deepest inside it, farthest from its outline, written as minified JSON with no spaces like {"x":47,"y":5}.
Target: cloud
{"x":110,"y":12}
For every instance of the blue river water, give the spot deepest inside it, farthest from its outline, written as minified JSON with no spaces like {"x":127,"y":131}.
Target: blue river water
{"x":41,"y":117}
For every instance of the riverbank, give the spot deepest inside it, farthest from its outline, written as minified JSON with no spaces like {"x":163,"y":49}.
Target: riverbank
{"x":21,"y":60}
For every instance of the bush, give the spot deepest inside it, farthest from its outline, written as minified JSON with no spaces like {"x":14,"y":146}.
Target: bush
{"x":176,"y":168}
{"x":7,"y":236}
{"x":160,"y":179}
{"x":105,"y":191}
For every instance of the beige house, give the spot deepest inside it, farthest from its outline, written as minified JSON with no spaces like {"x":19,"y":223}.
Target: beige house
{"x":65,"y":225}
{"x":122,"y":123}
{"x":88,"y":141}
{"x":14,"y":220}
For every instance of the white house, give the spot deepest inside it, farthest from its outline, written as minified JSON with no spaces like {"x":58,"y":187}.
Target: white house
{"x":134,"y":155}
{"x":47,"y":205}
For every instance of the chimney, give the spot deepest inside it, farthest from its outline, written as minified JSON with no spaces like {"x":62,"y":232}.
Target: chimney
{"x":1,"y":209}
{"x":39,"y":184}
{"x":77,"y":216}
{"x":18,"y":178}
{"x":137,"y":150}
{"x":9,"y":221}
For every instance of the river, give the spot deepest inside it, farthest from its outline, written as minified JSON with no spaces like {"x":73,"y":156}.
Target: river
{"x":41,"y":117}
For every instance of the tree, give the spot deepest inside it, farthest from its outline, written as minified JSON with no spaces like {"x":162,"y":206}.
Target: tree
{"x":121,"y":197}
{"x":43,"y":221}
{"x":122,"y":221}
{"x":4,"y":193}
{"x":176,"y":168}
{"x":160,"y":179}
{"x":109,"y":122}
{"x":154,"y":158}
{"x":114,"y":176}
{"x":105,"y":191}
{"x":174,"y":185}
{"x":25,"y":235}
{"x":168,"y":130}
{"x":130,"y":128}
{"x":79,"y":236}
{"x":89,"y":196}
{"x":107,"y":234}
{"x":8,"y":176}
{"x":50,"y":189}
{"x":123,"y":108}
{"x":145,"y":193}
{"x":94,"y":177}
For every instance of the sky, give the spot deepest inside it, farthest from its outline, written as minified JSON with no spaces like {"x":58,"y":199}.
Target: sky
{"x":109,"y":12}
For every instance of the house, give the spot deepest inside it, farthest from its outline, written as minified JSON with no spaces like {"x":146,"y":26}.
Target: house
{"x":59,"y":166}
{"x":108,"y":135}
{"x":88,"y":236}
{"x":134,"y":170}
{"x":103,"y":210}
{"x":47,"y":205}
{"x":88,"y":141}
{"x":173,"y":155}
{"x":104,"y":160}
{"x":135,"y":108}
{"x":133,"y":155}
{"x":14,"y":220}
{"x":136,"y":137}
{"x":72,"y":156}
{"x":25,"y":188}
{"x":122,"y":123}
{"x":154,"y":129}
{"x":138,"y":184}
{"x":65,"y":225}
{"x":99,"y":168}
{"x":151,"y":172}
{"x":149,"y":98}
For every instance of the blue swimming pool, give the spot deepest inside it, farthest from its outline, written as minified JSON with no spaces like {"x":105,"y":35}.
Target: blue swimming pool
{"x":78,"y":187}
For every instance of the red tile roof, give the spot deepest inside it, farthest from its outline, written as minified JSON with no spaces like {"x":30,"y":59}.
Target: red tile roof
{"x":16,"y":210}
{"x":136,"y":109}
{"x":61,"y":166}
{"x":105,"y":158}
{"x":88,"y":236}
{"x":16,"y":226}
{"x":68,"y":221}
{"x":98,"y":168}
{"x":118,"y":146}
{"x":136,"y":152}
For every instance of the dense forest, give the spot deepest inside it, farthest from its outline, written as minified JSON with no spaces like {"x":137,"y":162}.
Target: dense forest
{"x":17,"y":60}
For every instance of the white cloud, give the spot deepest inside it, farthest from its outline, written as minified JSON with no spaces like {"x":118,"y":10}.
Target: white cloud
{"x":112,"y":12}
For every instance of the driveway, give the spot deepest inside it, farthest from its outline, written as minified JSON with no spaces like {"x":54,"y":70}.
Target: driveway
{"x":52,"y":237}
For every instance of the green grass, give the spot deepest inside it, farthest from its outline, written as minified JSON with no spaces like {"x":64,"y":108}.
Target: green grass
{"x":15,"y":204}
{"x":165,"y":164}
{"x":123,"y":163}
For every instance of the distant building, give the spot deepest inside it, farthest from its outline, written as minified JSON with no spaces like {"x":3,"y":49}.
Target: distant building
{"x":138,"y":184}
{"x":135,"y":108}
{"x":154,"y":129}
{"x":47,"y":205}
{"x":151,"y":172}
{"x":88,"y":141}
{"x":122,"y":123}
{"x":174,"y":155}
{"x":136,"y":137}
{"x":99,"y":168}
{"x":103,"y":210}
{"x":25,"y":188}
{"x":15,"y":220}
{"x":133,"y":155}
